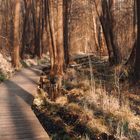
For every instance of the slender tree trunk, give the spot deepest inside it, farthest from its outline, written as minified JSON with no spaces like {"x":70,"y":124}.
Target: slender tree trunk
{"x":60,"y":39}
{"x":50,"y":21}
{"x":66,"y":30}
{"x":96,"y":33}
{"x":16,"y":48}
{"x":59,"y":61}
{"x":27,"y":4}
{"x":137,"y":62}
{"x":36,"y":28}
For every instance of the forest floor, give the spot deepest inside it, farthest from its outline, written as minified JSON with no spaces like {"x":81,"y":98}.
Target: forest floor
{"x":96,"y":103}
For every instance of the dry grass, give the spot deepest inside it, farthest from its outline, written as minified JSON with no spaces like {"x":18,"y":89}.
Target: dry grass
{"x":118,"y":117}
{"x":100,"y":103}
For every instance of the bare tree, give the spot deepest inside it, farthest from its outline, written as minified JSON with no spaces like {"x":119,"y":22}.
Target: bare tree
{"x":54,"y":19}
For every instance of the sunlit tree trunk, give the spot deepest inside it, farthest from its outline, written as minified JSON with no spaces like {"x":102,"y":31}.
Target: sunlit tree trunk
{"x":16,"y":47}
{"x":66,"y":30}
{"x":59,"y":62}
{"x":56,"y":48}
{"x":50,"y":22}
{"x":95,"y":33}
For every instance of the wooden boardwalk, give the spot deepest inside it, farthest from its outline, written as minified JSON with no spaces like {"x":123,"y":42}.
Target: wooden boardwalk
{"x":17,"y":120}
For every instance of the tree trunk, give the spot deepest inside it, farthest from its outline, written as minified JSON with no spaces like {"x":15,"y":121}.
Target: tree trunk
{"x":16,"y":49}
{"x":59,"y":39}
{"x":137,"y":62}
{"x":107,"y":27}
{"x":107,"y":23}
{"x":66,"y":30}
{"x":56,"y":48}
{"x":27,"y":4}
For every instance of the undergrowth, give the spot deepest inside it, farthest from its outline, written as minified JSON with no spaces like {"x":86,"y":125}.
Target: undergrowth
{"x":94,"y":104}
{"x":2,"y":77}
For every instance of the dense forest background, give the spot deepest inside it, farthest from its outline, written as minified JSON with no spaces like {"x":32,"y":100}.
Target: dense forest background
{"x":99,"y":27}
{"x":91,"y":52}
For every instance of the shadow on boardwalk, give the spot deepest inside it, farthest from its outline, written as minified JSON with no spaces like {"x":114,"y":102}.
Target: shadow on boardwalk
{"x":17,"y":119}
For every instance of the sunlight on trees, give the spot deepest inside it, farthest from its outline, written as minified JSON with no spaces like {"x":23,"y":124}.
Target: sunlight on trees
{"x":88,"y":53}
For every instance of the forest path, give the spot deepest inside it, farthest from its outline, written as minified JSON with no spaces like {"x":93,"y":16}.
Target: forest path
{"x":17,"y":120}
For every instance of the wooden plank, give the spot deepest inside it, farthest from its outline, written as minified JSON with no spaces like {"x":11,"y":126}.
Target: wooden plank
{"x":17,"y":120}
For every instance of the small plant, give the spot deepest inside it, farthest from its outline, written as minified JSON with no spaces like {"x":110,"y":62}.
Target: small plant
{"x":24,"y":64}
{"x":2,"y":77}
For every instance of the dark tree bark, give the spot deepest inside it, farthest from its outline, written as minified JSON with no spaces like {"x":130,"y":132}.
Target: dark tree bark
{"x":27,"y":4}
{"x":107,"y":24}
{"x":106,"y":21}
{"x":131,"y":59}
{"x":38,"y":24}
{"x":137,"y":62}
